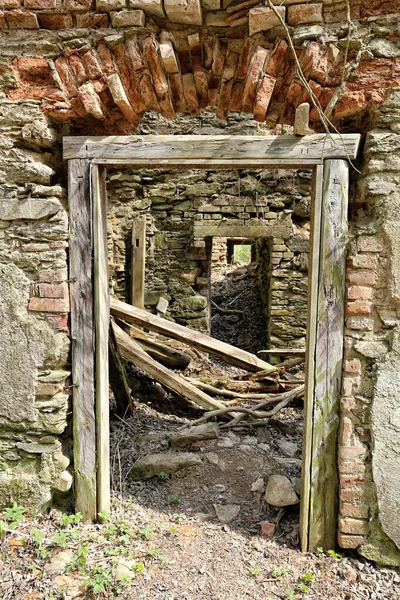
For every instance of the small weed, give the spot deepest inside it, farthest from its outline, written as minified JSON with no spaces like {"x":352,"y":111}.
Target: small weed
{"x":255,"y":571}
{"x":290,"y":594}
{"x":61,"y":539}
{"x":79,"y":561}
{"x":174,"y":499}
{"x":333,"y":554}
{"x":67,"y":520}
{"x":146,"y":532}
{"x":14,"y":515}
{"x":163,"y":475}
{"x":153,"y":551}
{"x":304,"y":588}
{"x":180,"y":517}
{"x":100,"y":579}
{"x":279,"y":572}
{"x":308,"y":577}
{"x":104,"y":516}
{"x":38,"y":539}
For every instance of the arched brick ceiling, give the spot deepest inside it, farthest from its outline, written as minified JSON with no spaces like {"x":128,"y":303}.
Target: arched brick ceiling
{"x":109,"y":87}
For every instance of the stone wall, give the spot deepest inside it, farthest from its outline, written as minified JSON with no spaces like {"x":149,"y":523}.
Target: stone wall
{"x":184,"y":210}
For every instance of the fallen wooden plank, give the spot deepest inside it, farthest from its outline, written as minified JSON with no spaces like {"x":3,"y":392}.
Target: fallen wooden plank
{"x":284,"y":351}
{"x":131,"y":350}
{"x":228,"y":353}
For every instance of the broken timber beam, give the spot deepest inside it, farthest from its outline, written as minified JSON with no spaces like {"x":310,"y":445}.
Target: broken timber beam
{"x":131,"y":350}
{"x":228,"y":353}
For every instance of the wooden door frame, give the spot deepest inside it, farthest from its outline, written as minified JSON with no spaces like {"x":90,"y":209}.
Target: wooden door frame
{"x":328,"y":157}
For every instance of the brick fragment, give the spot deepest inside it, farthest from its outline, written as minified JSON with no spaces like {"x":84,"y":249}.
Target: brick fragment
{"x":358,"y":308}
{"x":56,"y":21}
{"x":3,"y":22}
{"x":128,"y":78}
{"x":40,"y":4}
{"x":190,"y":92}
{"x":350,"y":541}
{"x":109,"y":5}
{"x":35,"y":65}
{"x":263,"y":98}
{"x":147,"y":90}
{"x":369,"y":243}
{"x":264,"y":19}
{"x":304,"y":13}
{"x":120,"y":98}
{"x":178,"y":97}
{"x":64,"y":70}
{"x":245,"y":59}
{"x":91,"y":100}
{"x":353,"y":366}
{"x":364,"y":261}
{"x":49,"y":389}
{"x":150,"y":49}
{"x":10,"y":4}
{"x":276,"y":57}
{"x":74,"y":5}
{"x":52,"y":305}
{"x":77,"y":66}
{"x":51,"y":290}
{"x":353,"y":526}
{"x":254,"y":73}
{"x":128,"y":18}
{"x":92,"y":64}
{"x":359,"y":292}
{"x":167,"y":53}
{"x":135,"y":54}
{"x":356,"y":511}
{"x":106,"y":58}
{"x":16,"y":19}
{"x":219,"y":54}
{"x":53,"y":276}
{"x":363,"y":278}
{"x":237,"y":97}
{"x":346,"y":430}
{"x":352,"y":452}
{"x":91,"y":20}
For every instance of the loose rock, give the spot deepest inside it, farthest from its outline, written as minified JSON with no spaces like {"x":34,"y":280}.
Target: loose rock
{"x":227,"y":512}
{"x":280,"y":491}
{"x":168,"y":462}
{"x":206,"y":431}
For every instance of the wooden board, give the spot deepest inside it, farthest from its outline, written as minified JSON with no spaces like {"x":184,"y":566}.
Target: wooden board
{"x":131,"y":350}
{"x":211,"y":150}
{"x":138,"y":261}
{"x":102,"y":321}
{"x":82,"y":333}
{"x":329,"y":355}
{"x":228,"y":353}
{"x":117,"y":376}
{"x":313,"y":274}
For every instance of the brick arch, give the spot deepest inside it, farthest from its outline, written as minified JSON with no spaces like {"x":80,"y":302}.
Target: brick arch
{"x":108,"y":88}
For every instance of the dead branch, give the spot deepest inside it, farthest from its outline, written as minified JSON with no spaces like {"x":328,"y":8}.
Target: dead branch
{"x":228,"y":393}
{"x":226,"y":311}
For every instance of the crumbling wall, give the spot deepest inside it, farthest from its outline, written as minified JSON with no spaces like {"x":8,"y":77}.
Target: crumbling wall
{"x":184,"y":209}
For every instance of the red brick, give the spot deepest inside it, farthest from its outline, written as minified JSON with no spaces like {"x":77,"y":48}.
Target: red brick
{"x":350,"y":386}
{"x":351,"y":495}
{"x":53,"y":276}
{"x":350,"y":541}
{"x":374,"y":8}
{"x":66,"y":75}
{"x":369,"y":243}
{"x":358,"y":308}
{"x":58,"y":322}
{"x":92,"y":64}
{"x":245,"y":60}
{"x":353,"y":526}
{"x":304,"y":13}
{"x":346,"y":430}
{"x":352,"y":468}
{"x":77,"y":66}
{"x":52,"y":290}
{"x":31,"y":64}
{"x":9,"y":4}
{"x":351,"y":480}
{"x":77,"y":4}
{"x":356,"y":511}
{"x":353,"y":366}
{"x":40,"y":4}
{"x":92,"y":20}
{"x":176,"y":87}
{"x":363,"y":278}
{"x":17,"y":19}
{"x":52,"y":305}
{"x":276,"y":58}
{"x":352,"y":452}
{"x":34,"y":93}
{"x":106,"y":58}
{"x":56,"y":21}
{"x":359,"y":292}
{"x":3,"y":22}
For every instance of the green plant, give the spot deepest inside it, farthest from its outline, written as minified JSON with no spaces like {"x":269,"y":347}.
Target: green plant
{"x":146,"y":532}
{"x":333,"y":554}
{"x":38,"y":539}
{"x":290,"y":594}
{"x":308,"y":577}
{"x":255,"y":571}
{"x":78,"y":562}
{"x":99,"y":579}
{"x":14,"y":515}
{"x":304,"y":588}
{"x":74,"y":519}
{"x":60,"y":538}
{"x":279,"y":572}
{"x":180,"y":517}
{"x":163,"y":475}
{"x":103,"y":516}
{"x":174,"y":499}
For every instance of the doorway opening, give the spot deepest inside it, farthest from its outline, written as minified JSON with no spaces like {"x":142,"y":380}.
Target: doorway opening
{"x":318,"y":500}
